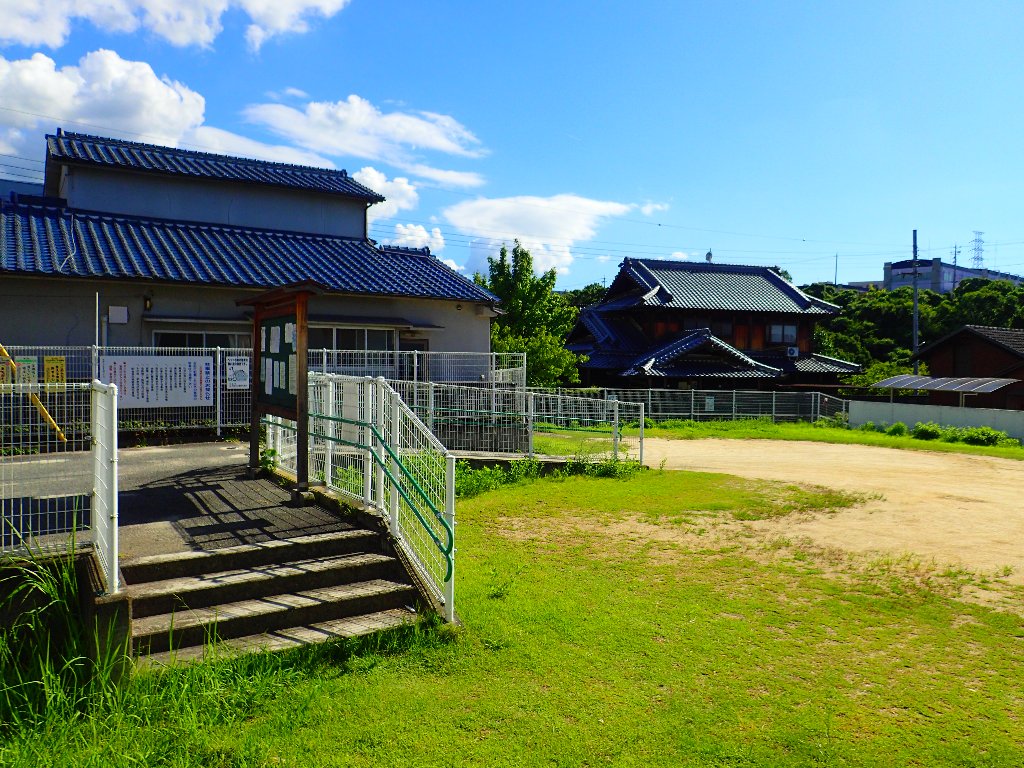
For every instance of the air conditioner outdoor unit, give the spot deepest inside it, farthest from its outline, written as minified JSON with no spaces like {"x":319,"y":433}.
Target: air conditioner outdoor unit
{"x":792,"y":351}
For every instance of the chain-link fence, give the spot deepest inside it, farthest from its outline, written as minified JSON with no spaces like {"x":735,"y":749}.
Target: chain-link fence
{"x":721,"y":404}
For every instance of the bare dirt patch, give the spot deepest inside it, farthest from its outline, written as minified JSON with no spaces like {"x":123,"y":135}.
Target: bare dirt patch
{"x":967,"y":511}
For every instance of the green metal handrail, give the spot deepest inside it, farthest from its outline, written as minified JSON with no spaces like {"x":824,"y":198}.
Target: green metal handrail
{"x":444,"y":549}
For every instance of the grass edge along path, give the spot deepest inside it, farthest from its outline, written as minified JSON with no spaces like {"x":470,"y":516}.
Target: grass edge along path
{"x":582,"y":443}
{"x":590,"y":641}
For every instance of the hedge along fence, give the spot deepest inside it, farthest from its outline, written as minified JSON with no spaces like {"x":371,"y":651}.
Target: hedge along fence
{"x":1009,"y":422}
{"x":929,"y":430}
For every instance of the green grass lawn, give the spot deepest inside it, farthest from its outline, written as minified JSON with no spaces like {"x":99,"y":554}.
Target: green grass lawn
{"x":596,"y":440}
{"x":758,"y":429}
{"x":640,"y":621}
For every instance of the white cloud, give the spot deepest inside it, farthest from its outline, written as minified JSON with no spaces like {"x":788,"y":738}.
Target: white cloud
{"x":210,"y":139}
{"x":547,"y":226}
{"x":102,"y":90}
{"x":358,"y":128}
{"x":603,"y":259}
{"x":275,"y":17}
{"x":287,"y":93}
{"x":417,"y":236}
{"x":679,"y":255}
{"x":180,"y":22}
{"x":445,"y":178}
{"x":400,"y":193}
{"x":648,"y":209}
{"x":452,"y":265}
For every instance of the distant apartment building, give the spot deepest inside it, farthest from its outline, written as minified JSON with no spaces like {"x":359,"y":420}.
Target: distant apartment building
{"x":936,"y":275}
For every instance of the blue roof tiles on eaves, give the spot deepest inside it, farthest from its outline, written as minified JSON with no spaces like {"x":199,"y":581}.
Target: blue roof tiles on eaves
{"x":98,"y":150}
{"x":106,"y":245}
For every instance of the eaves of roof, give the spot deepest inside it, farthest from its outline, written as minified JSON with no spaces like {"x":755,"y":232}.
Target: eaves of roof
{"x":1010,"y":339}
{"x":99,"y":151}
{"x":65,"y":243}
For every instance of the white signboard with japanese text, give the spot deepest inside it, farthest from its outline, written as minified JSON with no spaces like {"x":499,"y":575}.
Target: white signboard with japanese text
{"x":159,"y":381}
{"x":237,"y":371}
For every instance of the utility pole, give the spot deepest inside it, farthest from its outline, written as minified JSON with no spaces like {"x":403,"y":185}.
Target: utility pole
{"x":835,"y":279}
{"x":956,"y":252}
{"x":915,"y":303}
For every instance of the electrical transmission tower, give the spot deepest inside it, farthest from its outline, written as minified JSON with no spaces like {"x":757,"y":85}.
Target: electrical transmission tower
{"x":978,"y":260}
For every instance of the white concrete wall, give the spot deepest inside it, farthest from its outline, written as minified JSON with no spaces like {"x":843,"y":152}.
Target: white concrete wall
{"x":47,"y":311}
{"x":1010,"y":422}
{"x":218,"y":202}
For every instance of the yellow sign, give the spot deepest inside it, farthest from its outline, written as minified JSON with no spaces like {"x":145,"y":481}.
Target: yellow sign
{"x":55,"y":370}
{"x":5,"y":372}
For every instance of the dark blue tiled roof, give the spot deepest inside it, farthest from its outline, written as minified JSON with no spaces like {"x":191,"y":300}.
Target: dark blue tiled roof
{"x":706,"y":286}
{"x":38,"y":241}
{"x":690,"y":369}
{"x":129,"y":155}
{"x":807,"y":363}
{"x":671,"y":358}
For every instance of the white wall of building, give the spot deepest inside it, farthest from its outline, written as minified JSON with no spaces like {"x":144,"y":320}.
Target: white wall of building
{"x":62,"y":312}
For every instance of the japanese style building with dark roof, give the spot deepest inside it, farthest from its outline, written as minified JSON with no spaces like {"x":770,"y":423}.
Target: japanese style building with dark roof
{"x":677,"y":323}
{"x":979,"y":351}
{"x":169,"y":239}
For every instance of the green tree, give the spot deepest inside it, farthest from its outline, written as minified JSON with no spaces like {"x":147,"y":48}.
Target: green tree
{"x":585,"y":296}
{"x":536,"y":319}
{"x":977,"y":301}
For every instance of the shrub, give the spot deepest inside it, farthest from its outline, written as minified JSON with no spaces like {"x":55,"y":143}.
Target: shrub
{"x":926,"y":430}
{"x":982,"y":436}
{"x":839,"y":421}
{"x":899,"y":429}
{"x":952,"y":435}
{"x":472,"y":482}
{"x":867,"y":426}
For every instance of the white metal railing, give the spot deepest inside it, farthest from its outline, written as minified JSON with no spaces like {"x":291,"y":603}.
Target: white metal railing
{"x":104,"y":493}
{"x":722,"y":404}
{"x":58,"y":469}
{"x":366,"y":445}
{"x":508,"y":368}
{"x":521,"y":422}
{"x":226,"y":403}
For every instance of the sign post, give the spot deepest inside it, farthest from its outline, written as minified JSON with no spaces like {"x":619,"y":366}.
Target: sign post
{"x":280,"y":386}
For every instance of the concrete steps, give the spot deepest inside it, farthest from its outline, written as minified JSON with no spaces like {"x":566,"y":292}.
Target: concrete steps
{"x":269,"y":595}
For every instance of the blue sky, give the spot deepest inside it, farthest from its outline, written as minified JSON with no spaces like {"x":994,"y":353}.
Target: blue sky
{"x":770,"y":133}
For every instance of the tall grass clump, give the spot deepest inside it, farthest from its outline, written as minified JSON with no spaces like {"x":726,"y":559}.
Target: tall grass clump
{"x":471,"y":482}
{"x":49,"y":668}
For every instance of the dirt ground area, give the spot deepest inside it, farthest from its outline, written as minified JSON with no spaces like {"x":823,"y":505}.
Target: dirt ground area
{"x":953,"y":508}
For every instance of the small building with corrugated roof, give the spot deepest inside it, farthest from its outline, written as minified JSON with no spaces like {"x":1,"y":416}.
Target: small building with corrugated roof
{"x":979,"y":351}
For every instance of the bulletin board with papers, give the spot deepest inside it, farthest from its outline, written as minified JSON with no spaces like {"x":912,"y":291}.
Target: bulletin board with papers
{"x":278,"y":362}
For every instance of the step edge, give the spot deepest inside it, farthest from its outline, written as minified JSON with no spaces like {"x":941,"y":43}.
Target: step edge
{"x":189,"y":618}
